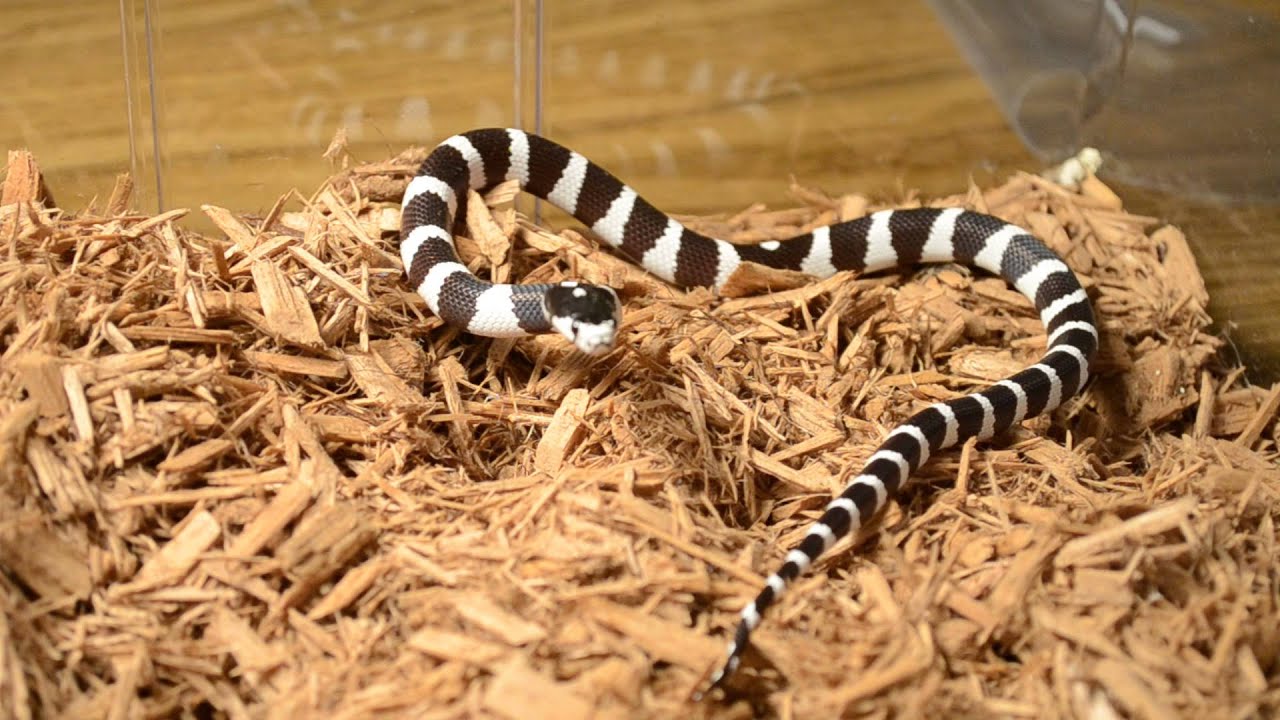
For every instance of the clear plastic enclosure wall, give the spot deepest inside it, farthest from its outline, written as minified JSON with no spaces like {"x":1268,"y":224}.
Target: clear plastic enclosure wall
{"x":232,"y":102}
{"x":706,"y":105}
{"x":701,"y":105}
{"x":713,"y":105}
{"x":1184,"y":95}
{"x":66,"y":103}
{"x":250,"y":93}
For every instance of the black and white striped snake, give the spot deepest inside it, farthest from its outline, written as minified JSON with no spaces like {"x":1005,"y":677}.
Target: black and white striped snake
{"x":589,"y":315}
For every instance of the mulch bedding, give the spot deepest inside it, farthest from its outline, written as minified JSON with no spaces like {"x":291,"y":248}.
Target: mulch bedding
{"x":246,"y":474}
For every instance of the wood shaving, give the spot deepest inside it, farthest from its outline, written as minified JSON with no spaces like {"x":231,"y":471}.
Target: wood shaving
{"x":251,"y":476}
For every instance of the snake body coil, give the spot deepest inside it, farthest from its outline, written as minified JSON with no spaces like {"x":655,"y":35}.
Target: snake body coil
{"x":589,"y":315}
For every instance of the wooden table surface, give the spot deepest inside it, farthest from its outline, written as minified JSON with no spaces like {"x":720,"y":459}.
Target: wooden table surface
{"x":703,"y":107}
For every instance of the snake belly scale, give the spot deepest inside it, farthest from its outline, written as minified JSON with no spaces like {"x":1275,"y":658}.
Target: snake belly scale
{"x":589,"y":315}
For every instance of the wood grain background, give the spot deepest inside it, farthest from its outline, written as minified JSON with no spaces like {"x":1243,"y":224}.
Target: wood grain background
{"x":704,"y":107}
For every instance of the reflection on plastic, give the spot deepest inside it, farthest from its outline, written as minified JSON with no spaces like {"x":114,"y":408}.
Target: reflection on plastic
{"x":1182,"y":95}
{"x":227,"y":92}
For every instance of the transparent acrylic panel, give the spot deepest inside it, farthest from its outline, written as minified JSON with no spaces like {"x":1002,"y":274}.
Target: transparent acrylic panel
{"x":712,"y":106}
{"x":1196,"y":109}
{"x":250,"y":93}
{"x":1183,"y":95}
{"x":64,"y":97}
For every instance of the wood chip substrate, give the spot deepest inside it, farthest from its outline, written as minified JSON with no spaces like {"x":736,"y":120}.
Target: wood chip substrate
{"x":247,"y":474}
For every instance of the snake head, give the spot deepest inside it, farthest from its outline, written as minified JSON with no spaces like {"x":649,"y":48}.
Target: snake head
{"x":589,"y":315}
